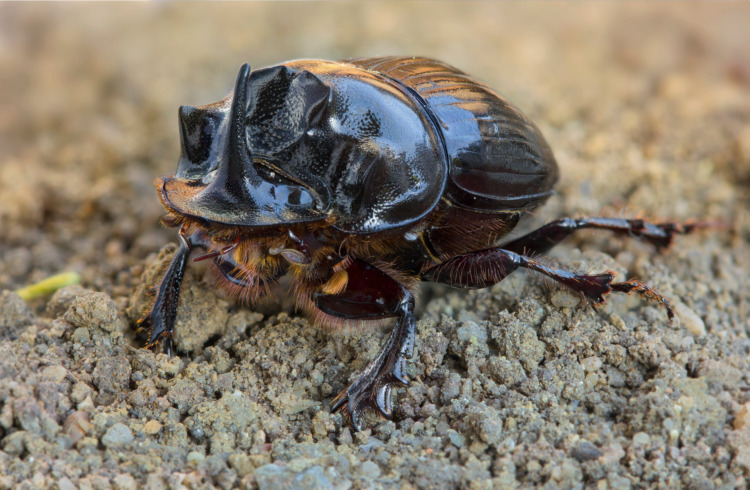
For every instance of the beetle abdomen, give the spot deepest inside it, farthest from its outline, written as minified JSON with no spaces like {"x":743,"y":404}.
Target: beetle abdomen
{"x":499,"y":160}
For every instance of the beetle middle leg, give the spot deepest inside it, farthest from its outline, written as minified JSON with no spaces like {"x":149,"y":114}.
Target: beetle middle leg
{"x":372,"y":294}
{"x":484,"y":268}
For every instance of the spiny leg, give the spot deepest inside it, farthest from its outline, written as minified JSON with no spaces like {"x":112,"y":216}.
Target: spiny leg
{"x":484,"y":268}
{"x":541,"y":240}
{"x":370,"y":293}
{"x":373,"y":386}
{"x":160,"y":318}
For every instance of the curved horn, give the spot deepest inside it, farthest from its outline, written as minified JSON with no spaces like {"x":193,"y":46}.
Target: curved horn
{"x":239,"y":162}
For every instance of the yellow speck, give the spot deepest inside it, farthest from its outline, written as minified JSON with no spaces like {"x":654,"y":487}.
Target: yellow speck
{"x":49,"y":285}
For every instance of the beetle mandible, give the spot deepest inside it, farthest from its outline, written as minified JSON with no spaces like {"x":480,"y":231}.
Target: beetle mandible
{"x":361,"y":178}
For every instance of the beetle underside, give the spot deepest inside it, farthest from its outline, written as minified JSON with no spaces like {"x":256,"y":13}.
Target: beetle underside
{"x":338,"y":280}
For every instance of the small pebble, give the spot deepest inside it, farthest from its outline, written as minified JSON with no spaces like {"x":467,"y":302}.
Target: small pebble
{"x":152,"y":427}
{"x":117,"y":435}
{"x":369,"y":470}
{"x":563,"y":298}
{"x":81,"y":335}
{"x":456,"y":439}
{"x":586,"y":451}
{"x":743,"y":417}
{"x":54,"y":373}
{"x":94,"y":310}
{"x":641,"y":439}
{"x":195,"y":456}
{"x":86,"y":405}
{"x":65,"y":484}
{"x":79,"y":392}
{"x":241,"y":463}
{"x":591,"y":364}
{"x":77,"y":425}
{"x":689,"y":319}
{"x":61,"y":300}
{"x":14,"y":315}
{"x":124,"y":482}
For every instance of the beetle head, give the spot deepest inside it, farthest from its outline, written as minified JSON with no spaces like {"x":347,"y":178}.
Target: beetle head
{"x":222,"y":178}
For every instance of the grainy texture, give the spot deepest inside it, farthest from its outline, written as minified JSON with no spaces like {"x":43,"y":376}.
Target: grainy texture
{"x":647,"y":108}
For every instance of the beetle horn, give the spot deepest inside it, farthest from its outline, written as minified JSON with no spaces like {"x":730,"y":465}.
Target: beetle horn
{"x":238,"y":159}
{"x":236,"y":172}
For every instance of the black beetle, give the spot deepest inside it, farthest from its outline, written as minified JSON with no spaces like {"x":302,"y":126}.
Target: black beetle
{"x":360,"y":178}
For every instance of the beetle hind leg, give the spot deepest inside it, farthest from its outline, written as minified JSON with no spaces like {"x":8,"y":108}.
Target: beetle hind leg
{"x":485,"y":268}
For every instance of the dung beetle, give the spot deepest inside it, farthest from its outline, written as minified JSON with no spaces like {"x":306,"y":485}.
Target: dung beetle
{"x":359,"y":179}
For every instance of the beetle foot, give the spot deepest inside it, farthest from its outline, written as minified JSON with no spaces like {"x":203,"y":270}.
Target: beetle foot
{"x":156,"y":334}
{"x":371,"y":390}
{"x":650,"y":294}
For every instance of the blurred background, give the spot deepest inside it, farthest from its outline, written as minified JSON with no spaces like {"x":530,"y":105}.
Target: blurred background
{"x":646,"y":106}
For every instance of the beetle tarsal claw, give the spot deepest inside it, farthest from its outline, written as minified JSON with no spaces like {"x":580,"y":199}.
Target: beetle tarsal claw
{"x":350,"y":409}
{"x":383,"y":400}
{"x":370,"y":391}
{"x":399,"y":372}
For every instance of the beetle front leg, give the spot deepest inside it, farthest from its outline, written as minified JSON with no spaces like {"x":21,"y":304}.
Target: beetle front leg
{"x":370,"y":293}
{"x":160,"y":318}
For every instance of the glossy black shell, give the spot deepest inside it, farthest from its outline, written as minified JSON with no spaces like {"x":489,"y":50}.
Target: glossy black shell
{"x":375,"y":143}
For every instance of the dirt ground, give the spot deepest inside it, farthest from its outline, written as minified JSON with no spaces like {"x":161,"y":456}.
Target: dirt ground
{"x":647,"y":108}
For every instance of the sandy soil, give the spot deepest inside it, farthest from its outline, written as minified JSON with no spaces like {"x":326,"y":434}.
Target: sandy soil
{"x":647,"y":109}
